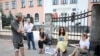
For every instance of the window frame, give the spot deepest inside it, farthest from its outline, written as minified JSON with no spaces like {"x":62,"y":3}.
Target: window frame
{"x":22,"y":3}
{"x":39,"y":2}
{"x":0,"y":6}
{"x":64,"y":2}
{"x":55,"y":2}
{"x":13,"y":4}
{"x":36,"y":17}
{"x":73,"y":1}
{"x":6,"y":5}
{"x":31,"y":4}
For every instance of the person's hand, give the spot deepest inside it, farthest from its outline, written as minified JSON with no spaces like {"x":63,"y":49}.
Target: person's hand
{"x":41,"y":39}
{"x":20,"y":23}
{"x":85,"y":47}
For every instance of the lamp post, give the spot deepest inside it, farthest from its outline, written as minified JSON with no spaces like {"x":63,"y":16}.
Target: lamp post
{"x":0,"y":22}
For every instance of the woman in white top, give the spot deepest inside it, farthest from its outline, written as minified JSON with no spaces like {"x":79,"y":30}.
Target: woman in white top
{"x":83,"y":46}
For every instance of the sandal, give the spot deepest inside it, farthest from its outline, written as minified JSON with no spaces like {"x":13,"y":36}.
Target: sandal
{"x":40,"y":52}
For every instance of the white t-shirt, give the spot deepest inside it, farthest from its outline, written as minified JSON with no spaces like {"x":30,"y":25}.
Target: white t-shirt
{"x":28,"y":27}
{"x":84,"y":43}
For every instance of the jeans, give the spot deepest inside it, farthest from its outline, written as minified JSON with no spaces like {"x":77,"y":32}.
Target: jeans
{"x":30,"y":38}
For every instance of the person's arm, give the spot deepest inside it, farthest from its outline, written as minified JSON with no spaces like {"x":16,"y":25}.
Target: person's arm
{"x":87,"y":44}
{"x":16,"y":27}
{"x":32,"y":27}
{"x":45,"y":36}
{"x":25,"y":27}
{"x":77,"y":44}
{"x":20,"y":27}
{"x":66,"y":37}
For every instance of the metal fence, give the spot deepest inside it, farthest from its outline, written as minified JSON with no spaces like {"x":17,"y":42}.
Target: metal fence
{"x":75,"y":24}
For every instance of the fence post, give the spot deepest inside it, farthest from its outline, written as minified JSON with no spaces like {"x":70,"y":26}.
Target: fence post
{"x":48,"y":24}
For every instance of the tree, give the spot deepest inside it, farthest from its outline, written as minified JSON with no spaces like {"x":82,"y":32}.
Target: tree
{"x":3,"y":17}
{"x":31,"y":18}
{"x":9,"y":19}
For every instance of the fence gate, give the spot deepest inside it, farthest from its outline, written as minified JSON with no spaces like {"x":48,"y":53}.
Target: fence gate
{"x":75,"y":25}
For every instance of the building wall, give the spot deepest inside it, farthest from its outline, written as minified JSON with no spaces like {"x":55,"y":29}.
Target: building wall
{"x":60,"y":8}
{"x":26,"y":10}
{"x":81,"y":5}
{"x":90,"y":5}
{"x":90,"y":9}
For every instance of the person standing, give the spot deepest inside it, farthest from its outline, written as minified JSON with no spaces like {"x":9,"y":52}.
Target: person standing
{"x":16,"y":27}
{"x":28,"y":27}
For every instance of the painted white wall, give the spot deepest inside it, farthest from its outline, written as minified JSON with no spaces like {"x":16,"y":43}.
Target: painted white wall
{"x":67,"y":8}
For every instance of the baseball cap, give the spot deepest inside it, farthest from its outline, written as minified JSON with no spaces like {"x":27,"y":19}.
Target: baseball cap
{"x":19,"y":15}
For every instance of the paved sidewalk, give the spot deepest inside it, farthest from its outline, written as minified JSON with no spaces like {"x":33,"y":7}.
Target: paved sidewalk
{"x":6,"y":49}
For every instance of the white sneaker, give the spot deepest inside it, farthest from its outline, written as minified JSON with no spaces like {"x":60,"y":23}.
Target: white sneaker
{"x":69,"y":55}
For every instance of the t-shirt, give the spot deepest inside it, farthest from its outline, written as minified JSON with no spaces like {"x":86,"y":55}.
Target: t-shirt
{"x":42,"y":35}
{"x":28,"y":27}
{"x":17,"y":37}
{"x":84,"y":43}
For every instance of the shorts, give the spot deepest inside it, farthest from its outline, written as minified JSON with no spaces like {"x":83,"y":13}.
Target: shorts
{"x":18,"y":45}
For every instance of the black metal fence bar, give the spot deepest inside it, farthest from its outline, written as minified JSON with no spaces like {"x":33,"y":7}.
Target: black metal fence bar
{"x":74,"y":25}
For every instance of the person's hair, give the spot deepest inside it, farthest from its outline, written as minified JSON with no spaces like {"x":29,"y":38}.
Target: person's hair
{"x":85,"y":35}
{"x":63,"y":33}
{"x":41,"y":33}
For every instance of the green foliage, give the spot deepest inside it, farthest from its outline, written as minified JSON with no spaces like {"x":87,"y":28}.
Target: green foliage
{"x":3,"y":19}
{"x":6,"y":21}
{"x":9,"y":18}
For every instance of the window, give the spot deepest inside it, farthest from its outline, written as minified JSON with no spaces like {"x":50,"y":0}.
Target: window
{"x":39,"y":2}
{"x":64,"y":14}
{"x":0,"y":7}
{"x":64,"y":1}
{"x":54,"y":10}
{"x":13,"y":5}
{"x":74,"y":9}
{"x":30,"y":3}
{"x":7,"y":5}
{"x":22,"y":3}
{"x":73,"y":1}
{"x":55,"y":2}
{"x":95,"y":1}
{"x":36,"y":17}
